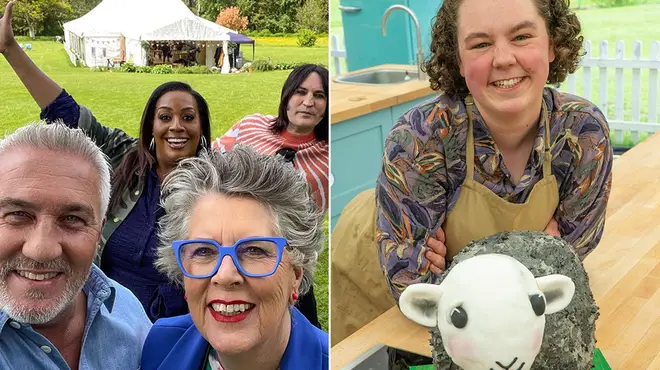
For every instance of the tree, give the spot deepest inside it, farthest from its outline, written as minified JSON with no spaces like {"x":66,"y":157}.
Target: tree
{"x":274,"y":15}
{"x":209,"y":9}
{"x":231,"y":18}
{"x":314,"y":16}
{"x":82,"y":7}
{"x":31,"y":16}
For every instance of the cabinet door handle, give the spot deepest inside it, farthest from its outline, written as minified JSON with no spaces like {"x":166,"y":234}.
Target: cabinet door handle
{"x":349,"y":9}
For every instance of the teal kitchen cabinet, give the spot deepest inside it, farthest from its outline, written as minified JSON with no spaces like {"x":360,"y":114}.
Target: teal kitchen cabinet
{"x":364,"y":41}
{"x":356,"y":153}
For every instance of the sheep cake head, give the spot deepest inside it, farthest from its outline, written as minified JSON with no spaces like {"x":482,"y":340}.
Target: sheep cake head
{"x":569,"y":338}
{"x":490,"y":311}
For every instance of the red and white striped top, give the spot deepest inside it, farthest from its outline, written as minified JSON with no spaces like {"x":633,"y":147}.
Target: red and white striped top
{"x":311,"y":154}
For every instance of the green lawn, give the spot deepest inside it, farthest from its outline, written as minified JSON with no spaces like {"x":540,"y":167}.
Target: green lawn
{"x":317,"y":54}
{"x":117,"y":100}
{"x":629,"y":23}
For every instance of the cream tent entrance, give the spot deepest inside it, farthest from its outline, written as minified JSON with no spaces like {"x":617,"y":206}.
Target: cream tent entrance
{"x":120,"y":30}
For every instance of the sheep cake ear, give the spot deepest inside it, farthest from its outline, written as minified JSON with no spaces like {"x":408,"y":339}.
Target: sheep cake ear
{"x":419,"y":303}
{"x":558,"y":291}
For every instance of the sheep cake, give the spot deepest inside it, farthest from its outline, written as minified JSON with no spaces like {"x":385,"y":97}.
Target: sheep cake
{"x":513,"y":300}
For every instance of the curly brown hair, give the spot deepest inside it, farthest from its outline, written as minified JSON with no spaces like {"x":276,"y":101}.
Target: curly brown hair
{"x":443,"y":64}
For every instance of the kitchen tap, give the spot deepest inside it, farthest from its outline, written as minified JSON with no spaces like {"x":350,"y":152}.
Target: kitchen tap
{"x":420,"y":53}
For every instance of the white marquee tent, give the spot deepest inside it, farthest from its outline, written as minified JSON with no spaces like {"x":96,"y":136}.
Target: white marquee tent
{"x":117,"y":28}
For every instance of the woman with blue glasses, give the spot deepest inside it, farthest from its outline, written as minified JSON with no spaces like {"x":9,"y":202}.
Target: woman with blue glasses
{"x":242,"y":234}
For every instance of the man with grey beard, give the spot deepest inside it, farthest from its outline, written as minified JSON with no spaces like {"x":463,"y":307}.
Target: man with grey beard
{"x":58,"y":310}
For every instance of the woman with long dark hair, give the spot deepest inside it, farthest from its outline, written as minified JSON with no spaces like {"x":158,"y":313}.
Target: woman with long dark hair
{"x":299,"y":132}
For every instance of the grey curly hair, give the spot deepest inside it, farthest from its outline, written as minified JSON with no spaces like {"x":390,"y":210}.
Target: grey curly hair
{"x":242,"y":172}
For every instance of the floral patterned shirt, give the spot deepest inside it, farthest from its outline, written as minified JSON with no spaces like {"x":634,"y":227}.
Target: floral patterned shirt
{"x":424,"y":167}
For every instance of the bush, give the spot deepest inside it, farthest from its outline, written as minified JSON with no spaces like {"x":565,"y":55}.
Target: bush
{"x":262,"y":65}
{"x":306,"y":38}
{"x":128,"y":67}
{"x":182,"y":71}
{"x":286,"y":66}
{"x":204,"y":70}
{"x":143,"y":69}
{"x":162,"y":69}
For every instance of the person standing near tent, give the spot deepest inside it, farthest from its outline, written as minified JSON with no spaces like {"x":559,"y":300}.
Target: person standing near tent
{"x":175,"y":125}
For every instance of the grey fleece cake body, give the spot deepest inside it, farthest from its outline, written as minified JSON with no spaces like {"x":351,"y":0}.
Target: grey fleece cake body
{"x":569,"y":336}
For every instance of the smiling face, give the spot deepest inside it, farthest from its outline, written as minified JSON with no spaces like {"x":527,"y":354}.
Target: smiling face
{"x":49,"y":226}
{"x":177,"y":127}
{"x":504,"y":53}
{"x":307,"y":105}
{"x":266,"y":299}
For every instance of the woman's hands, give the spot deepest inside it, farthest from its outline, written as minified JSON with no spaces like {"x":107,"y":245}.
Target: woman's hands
{"x":552,"y":228}
{"x":437,"y":250}
{"x":7,"y":39}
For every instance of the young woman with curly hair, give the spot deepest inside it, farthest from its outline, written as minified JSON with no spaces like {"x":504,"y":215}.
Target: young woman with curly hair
{"x":498,"y":149}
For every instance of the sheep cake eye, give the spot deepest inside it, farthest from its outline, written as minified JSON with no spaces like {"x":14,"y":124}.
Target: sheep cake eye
{"x":459,"y":317}
{"x":538,"y":304}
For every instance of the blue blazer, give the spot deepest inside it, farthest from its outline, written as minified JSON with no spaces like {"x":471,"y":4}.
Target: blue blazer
{"x":175,"y":343}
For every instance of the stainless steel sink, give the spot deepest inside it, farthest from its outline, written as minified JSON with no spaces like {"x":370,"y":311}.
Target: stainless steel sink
{"x":379,"y":77}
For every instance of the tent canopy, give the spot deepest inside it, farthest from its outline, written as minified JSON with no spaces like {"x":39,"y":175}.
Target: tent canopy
{"x":240,"y":39}
{"x":117,"y":29}
{"x":146,"y":20}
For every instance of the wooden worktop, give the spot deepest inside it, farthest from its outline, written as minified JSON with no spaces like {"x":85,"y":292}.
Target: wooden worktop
{"x":624,"y":272}
{"x":352,"y":100}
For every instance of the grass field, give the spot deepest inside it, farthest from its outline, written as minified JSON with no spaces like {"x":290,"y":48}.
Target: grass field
{"x":117,"y":99}
{"x":629,"y":23}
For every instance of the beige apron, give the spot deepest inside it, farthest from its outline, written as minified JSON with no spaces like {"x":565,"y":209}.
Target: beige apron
{"x":479,"y":212}
{"x":359,"y":292}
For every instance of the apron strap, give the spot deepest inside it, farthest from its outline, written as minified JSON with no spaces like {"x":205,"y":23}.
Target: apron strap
{"x":547,"y":160}
{"x":469,"y":146}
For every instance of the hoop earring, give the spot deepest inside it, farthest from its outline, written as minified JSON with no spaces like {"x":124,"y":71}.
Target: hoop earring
{"x":152,"y":145}
{"x":203,"y":143}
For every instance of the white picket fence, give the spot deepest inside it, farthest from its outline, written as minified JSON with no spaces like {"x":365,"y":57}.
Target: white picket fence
{"x":628,"y":93}
{"x":336,"y":54}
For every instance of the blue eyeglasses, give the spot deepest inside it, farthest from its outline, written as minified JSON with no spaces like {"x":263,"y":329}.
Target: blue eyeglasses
{"x":254,"y":257}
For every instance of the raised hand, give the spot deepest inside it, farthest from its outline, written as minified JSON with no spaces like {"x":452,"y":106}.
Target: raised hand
{"x":6,"y":33}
